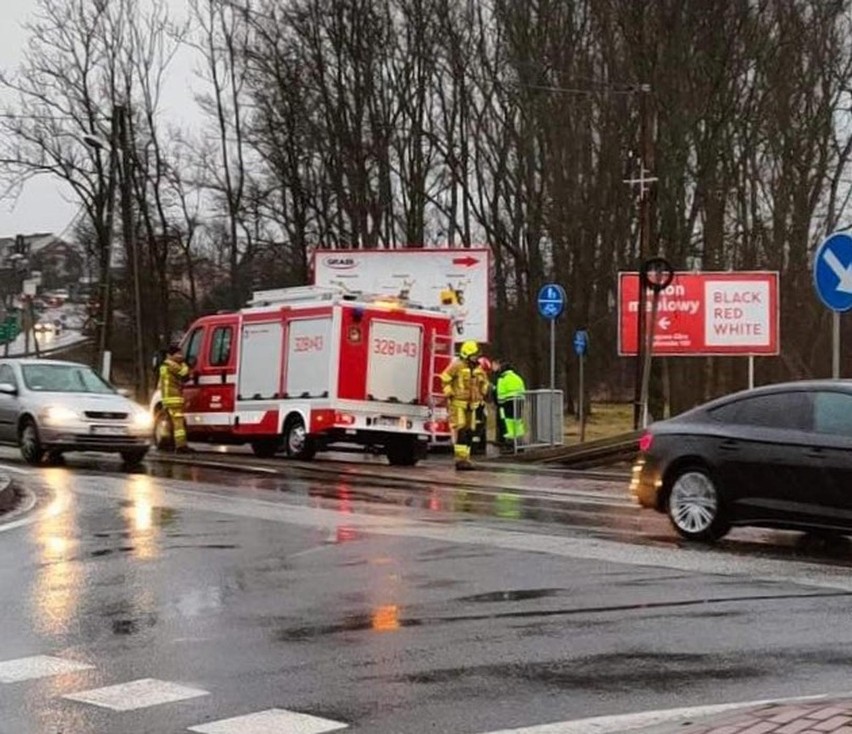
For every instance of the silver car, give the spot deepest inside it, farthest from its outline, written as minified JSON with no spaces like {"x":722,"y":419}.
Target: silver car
{"x":47,"y":407}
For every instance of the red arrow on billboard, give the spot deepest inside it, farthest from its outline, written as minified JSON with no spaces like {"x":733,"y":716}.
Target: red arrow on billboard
{"x":467,"y":261}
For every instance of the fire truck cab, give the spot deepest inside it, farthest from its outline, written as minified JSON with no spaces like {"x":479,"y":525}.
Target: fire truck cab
{"x":302,"y":369}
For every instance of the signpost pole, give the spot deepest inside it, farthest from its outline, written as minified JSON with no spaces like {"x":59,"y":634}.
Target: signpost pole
{"x":656,"y":274}
{"x":551,"y":304}
{"x":552,"y":376}
{"x":553,"y":354}
{"x":641,"y":316}
{"x":582,"y":399}
{"x":751,"y":372}
{"x":835,"y":345}
{"x":649,"y":353}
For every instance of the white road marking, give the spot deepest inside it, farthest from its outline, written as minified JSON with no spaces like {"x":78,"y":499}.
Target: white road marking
{"x":273,"y":721}
{"x":38,"y":666}
{"x":137,"y":694}
{"x":16,"y":469}
{"x":643,"y":719}
{"x":28,"y":503}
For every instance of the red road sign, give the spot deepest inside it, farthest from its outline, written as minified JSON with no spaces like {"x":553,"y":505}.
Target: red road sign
{"x":704,"y":314}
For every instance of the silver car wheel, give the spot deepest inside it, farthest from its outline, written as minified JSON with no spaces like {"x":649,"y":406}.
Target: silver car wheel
{"x":29,"y":440}
{"x":31,"y":448}
{"x":693,"y":503}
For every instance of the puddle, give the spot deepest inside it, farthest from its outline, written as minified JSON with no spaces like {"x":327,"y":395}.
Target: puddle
{"x":516,"y":595}
{"x":124,"y":627}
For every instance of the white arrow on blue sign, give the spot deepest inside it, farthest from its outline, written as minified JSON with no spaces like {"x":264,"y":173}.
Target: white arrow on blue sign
{"x":551,"y":301}
{"x":581,"y":342}
{"x":833,"y":272}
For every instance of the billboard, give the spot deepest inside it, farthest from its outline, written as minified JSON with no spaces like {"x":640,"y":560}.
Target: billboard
{"x":456,"y":279}
{"x":705,"y":314}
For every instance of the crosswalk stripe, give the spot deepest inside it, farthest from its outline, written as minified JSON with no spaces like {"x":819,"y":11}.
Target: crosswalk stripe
{"x":38,"y":666}
{"x":272,"y":721}
{"x":137,"y":694}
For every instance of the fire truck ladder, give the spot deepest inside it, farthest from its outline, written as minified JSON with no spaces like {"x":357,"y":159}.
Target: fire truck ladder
{"x":442,"y":356}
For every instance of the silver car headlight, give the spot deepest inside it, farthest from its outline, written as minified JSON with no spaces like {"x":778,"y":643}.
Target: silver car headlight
{"x":57,"y":415}
{"x":142,"y":421}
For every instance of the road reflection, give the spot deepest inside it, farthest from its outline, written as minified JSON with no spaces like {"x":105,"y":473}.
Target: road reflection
{"x":139,"y":517}
{"x":386,"y":618}
{"x":55,"y":593}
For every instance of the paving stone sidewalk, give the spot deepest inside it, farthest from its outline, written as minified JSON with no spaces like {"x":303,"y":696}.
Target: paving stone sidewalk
{"x":834,"y":717}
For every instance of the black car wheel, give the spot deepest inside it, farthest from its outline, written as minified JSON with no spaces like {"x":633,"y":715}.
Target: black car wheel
{"x":695,"y":507}
{"x":134,"y":457}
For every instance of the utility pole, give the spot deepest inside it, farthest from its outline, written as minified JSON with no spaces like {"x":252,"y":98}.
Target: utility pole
{"x":131,"y":243}
{"x":106,"y":275}
{"x":644,"y":182}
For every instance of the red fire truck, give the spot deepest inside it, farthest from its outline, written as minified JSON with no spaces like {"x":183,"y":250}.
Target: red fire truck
{"x":300,"y":369}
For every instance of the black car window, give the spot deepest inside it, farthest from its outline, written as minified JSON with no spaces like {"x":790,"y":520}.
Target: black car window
{"x":832,"y":413}
{"x":788,"y":410}
{"x":220,"y":346}
{"x":193,"y":346}
{"x":7,"y":375}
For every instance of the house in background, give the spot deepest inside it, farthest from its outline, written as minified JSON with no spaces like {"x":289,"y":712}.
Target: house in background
{"x":61,"y":263}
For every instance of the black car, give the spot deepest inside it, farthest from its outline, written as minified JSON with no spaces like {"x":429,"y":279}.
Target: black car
{"x":779,"y":456}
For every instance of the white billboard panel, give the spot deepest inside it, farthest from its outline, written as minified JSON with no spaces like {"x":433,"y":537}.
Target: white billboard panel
{"x":456,"y":279}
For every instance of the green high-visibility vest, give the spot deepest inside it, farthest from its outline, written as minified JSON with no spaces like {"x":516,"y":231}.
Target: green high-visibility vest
{"x":509,"y":385}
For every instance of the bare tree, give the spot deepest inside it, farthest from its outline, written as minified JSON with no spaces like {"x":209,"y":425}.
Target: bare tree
{"x":223,"y":41}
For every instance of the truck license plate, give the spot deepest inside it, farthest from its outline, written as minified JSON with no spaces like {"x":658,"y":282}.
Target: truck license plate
{"x":389,"y":421}
{"x":109,"y":430}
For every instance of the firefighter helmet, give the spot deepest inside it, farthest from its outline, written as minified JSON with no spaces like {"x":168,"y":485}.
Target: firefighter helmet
{"x":469,"y":350}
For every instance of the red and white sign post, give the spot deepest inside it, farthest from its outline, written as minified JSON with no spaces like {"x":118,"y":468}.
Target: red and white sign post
{"x":706,"y":314}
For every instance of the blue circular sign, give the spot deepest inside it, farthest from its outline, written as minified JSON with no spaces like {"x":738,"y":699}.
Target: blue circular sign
{"x":551,"y":301}
{"x":833,"y":272}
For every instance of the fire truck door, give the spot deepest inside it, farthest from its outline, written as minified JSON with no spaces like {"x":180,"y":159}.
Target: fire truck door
{"x":216,"y":372}
{"x":192,"y":351}
{"x":393,"y":370}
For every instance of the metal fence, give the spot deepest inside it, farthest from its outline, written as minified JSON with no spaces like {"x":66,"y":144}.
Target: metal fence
{"x":542,"y":414}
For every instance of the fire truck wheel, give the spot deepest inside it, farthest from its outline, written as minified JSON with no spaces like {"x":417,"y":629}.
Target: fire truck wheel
{"x":163,"y":430}
{"x":403,"y":451}
{"x":297,"y":442}
{"x":266,"y":448}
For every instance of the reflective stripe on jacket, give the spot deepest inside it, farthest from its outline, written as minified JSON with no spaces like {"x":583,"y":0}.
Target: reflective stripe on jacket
{"x":171,"y":375}
{"x":464,"y":383}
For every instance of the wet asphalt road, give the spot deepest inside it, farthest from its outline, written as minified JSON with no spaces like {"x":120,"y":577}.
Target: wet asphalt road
{"x":394,"y":609}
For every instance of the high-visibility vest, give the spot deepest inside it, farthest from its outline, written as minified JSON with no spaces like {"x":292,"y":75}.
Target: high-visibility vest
{"x":509,"y":385}
{"x":171,"y":375}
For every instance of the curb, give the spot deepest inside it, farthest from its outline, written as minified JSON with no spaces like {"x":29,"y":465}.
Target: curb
{"x":8,"y":493}
{"x":458,"y":482}
{"x":820,"y":713}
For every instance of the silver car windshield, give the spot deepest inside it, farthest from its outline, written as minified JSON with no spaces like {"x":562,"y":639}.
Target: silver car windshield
{"x":64,"y":378}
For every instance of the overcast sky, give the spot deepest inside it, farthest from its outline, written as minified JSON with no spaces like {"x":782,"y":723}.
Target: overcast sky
{"x":45,"y":205}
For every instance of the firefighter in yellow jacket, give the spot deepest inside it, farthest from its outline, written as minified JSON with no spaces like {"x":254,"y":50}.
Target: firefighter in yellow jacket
{"x":466,"y":385}
{"x":173,"y":372}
